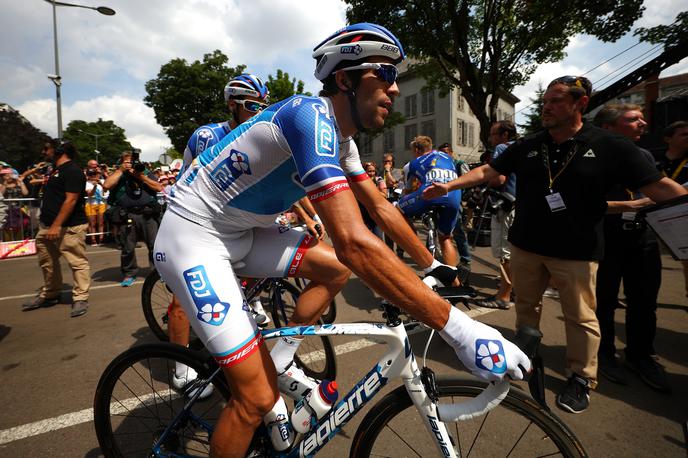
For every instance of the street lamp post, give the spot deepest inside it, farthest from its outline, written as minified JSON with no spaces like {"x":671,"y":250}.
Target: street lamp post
{"x":57,"y":78}
{"x":96,"y":136}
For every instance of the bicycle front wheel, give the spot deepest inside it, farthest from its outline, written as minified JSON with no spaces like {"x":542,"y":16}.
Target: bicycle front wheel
{"x":517,"y":427}
{"x":137,"y":404}
{"x":315,"y":354}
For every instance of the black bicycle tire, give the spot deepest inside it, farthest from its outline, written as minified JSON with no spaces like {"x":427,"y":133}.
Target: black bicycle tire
{"x":516,"y":400}
{"x":330,"y":313}
{"x":109,"y":378}
{"x":147,"y":305}
{"x":280,"y":318}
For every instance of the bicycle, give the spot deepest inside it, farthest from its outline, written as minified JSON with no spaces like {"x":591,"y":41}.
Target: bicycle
{"x":165,"y":423}
{"x":315,"y":355}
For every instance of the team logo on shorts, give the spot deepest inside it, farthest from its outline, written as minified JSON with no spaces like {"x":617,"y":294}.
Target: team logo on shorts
{"x":489,"y":355}
{"x":209,"y":308}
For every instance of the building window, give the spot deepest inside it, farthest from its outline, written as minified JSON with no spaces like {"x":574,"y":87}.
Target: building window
{"x":471,"y":135}
{"x":410,"y":132}
{"x":388,"y":141}
{"x":427,"y":101}
{"x":410,"y":108}
{"x":461,"y":102}
{"x":428,"y":128}
{"x":461,"y":132}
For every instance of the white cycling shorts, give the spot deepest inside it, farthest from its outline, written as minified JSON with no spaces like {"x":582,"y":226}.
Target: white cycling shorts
{"x":196,"y":263}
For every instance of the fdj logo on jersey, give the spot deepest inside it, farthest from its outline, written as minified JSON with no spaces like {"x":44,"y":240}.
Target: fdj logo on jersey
{"x":208,"y":306}
{"x":324,"y":133}
{"x":231,"y":168}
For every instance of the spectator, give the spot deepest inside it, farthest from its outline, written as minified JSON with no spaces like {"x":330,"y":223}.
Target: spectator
{"x":502,"y":135}
{"x":136,"y":211}
{"x":569,"y":167}
{"x":34,"y":178}
{"x":459,"y":233}
{"x":674,"y":163}
{"x":95,"y":206}
{"x":63,"y":232}
{"x":371,"y":170}
{"x":394,"y":180}
{"x":631,"y":253}
{"x":16,"y":225}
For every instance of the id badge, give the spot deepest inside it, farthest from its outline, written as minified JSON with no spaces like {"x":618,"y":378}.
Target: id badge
{"x":628,"y":216}
{"x":555,"y":202}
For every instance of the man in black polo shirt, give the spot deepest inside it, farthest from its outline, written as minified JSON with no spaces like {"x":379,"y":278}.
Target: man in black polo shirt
{"x":674,"y":162}
{"x":564,"y":173}
{"x":62,"y":232}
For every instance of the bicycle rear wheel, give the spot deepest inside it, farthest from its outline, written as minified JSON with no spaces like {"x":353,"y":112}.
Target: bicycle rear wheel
{"x":155,"y":300}
{"x":135,"y":402}
{"x":315,"y":354}
{"x":517,"y":427}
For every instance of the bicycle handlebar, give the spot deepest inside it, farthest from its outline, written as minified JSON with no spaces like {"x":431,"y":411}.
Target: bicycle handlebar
{"x":476,"y":407}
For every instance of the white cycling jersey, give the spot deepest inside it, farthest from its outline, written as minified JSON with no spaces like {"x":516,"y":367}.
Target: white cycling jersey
{"x":262,"y":167}
{"x":220,"y":218}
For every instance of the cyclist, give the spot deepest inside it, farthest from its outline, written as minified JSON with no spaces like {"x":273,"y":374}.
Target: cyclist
{"x":245,"y":95}
{"x":428,"y":167}
{"x":225,"y":203}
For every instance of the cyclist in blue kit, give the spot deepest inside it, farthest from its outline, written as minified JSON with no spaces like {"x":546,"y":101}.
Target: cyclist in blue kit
{"x":219,"y":224}
{"x":431,"y":166}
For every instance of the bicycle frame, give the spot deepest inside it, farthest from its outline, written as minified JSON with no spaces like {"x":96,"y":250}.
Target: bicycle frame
{"x":398,"y":361}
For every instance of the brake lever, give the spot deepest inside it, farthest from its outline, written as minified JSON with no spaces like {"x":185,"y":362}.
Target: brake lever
{"x":528,"y":340}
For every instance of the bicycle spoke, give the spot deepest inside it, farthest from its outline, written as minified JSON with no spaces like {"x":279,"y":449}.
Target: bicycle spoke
{"x":519,"y":438}
{"x":403,"y":440}
{"x":475,"y":439}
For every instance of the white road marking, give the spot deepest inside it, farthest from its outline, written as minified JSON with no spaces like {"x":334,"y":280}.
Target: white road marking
{"x":24,"y":296}
{"x":84,"y":416}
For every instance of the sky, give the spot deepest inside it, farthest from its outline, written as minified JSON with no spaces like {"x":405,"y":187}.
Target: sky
{"x":105,"y":61}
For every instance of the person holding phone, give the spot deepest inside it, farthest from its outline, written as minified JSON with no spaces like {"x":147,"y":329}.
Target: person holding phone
{"x":135,"y":210}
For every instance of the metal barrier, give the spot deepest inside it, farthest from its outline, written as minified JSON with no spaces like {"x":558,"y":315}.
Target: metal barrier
{"x":19,"y":224}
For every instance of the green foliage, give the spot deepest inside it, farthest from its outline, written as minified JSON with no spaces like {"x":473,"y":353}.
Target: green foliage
{"x":112,"y":140}
{"x":186,"y":95}
{"x":534,"y":116}
{"x":670,"y":35}
{"x":281,"y":87}
{"x":482,"y":46}
{"x":20,"y":142}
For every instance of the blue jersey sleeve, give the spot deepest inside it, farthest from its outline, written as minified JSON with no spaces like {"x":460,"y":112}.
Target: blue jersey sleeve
{"x":308,"y":128}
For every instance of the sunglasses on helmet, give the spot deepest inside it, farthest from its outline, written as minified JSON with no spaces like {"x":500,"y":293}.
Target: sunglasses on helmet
{"x":251,"y":105}
{"x":574,"y":81}
{"x":386,"y":72}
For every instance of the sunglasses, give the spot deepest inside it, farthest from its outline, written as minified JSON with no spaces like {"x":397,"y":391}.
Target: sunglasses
{"x":386,"y":72}
{"x":574,"y":81}
{"x":251,"y":105}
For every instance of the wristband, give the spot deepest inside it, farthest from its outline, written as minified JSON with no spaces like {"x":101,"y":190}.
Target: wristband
{"x":433,"y":266}
{"x":317,"y":219}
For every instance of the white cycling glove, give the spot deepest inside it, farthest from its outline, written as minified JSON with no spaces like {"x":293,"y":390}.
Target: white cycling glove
{"x":482,"y":349}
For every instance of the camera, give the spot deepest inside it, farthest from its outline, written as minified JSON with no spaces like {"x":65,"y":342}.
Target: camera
{"x":136,"y":163}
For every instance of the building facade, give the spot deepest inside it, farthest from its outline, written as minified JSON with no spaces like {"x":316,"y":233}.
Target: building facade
{"x":445,"y":119}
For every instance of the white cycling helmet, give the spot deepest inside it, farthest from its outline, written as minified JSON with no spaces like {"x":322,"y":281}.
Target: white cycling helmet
{"x":246,"y":85}
{"x":354,"y":43}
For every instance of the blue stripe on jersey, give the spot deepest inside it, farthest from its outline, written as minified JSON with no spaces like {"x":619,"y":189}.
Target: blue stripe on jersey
{"x":274,"y":193}
{"x":321,"y":173}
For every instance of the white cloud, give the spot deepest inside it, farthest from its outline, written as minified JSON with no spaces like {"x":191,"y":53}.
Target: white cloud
{"x":132,"y":115}
{"x":660,"y":12}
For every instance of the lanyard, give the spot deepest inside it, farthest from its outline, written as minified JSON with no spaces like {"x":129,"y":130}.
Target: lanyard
{"x":678,"y":169}
{"x":545,"y":158}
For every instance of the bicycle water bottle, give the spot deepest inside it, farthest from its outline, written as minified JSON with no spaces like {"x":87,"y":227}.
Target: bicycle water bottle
{"x":315,"y":405}
{"x":277,"y":422}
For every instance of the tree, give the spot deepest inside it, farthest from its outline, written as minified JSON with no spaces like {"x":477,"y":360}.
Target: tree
{"x":534,"y":116}
{"x":671,"y":35}
{"x":111,"y":140}
{"x":281,"y":87}
{"x":186,"y":95}
{"x":484,"y":47}
{"x":20,"y":142}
